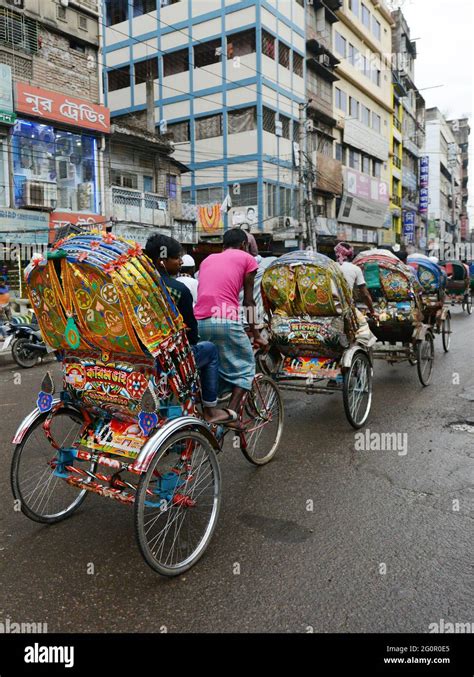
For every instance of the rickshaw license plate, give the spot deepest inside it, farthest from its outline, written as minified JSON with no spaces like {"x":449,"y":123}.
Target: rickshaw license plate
{"x":115,"y":437}
{"x":321,"y":367}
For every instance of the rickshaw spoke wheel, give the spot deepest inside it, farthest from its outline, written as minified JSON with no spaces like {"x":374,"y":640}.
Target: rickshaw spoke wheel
{"x":425,"y":359}
{"x":45,"y":497}
{"x":357,"y":391}
{"x":446,"y":332}
{"x":177,"y":503}
{"x":263,"y":419}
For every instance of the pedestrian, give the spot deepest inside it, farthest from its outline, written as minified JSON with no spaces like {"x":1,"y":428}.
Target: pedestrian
{"x":221,"y":278}
{"x":186,"y":276}
{"x":352,"y":273}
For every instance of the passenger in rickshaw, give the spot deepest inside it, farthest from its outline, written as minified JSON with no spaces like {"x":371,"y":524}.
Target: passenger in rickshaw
{"x":353,"y":274}
{"x":165,"y":252}
{"x":221,"y":278}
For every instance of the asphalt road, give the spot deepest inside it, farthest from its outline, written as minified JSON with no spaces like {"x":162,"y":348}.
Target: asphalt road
{"x":299,"y":569}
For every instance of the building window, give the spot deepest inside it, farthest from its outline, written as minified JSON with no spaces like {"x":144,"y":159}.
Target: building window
{"x":207,"y":196}
{"x":365,"y":164}
{"x":18,"y":32}
{"x":376,"y":77}
{"x":376,"y":28}
{"x":145,"y":69}
{"x":241,"y":120}
{"x":141,"y":7}
{"x":180,"y":131}
{"x":341,"y":100}
{"x":296,"y":131}
{"x":247,"y":195}
{"x":339,"y":152}
{"x":53,"y":169}
{"x":240,"y":44}
{"x":123,"y":179}
{"x":119,"y":78}
{"x":365,"y":16}
{"x":364,"y":66}
{"x":341,"y":44}
{"x":376,"y":122}
{"x":353,"y":108}
{"x":354,"y":159}
{"x":353,"y":56}
{"x":166,"y":3}
{"x":207,"y":53}
{"x":285,"y":126}
{"x":268,"y":45}
{"x":172,"y":186}
{"x":269,"y":120}
{"x":271,"y":200}
{"x":354,"y":7}
{"x":77,"y":46}
{"x":116,"y":11}
{"x":208,"y":127}
{"x":176,"y":62}
{"x":377,"y":169}
{"x":365,"y":115}
{"x":283,"y":55}
{"x":297,"y":64}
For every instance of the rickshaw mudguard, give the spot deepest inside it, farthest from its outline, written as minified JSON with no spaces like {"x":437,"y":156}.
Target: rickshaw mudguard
{"x":348,"y":355}
{"x":156,"y":441}
{"x":420,"y":332}
{"x":33,"y":416}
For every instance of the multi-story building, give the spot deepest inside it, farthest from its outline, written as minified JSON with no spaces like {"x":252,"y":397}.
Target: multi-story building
{"x":461,"y":131}
{"x":320,"y":78}
{"x":410,"y":139}
{"x":51,"y":142}
{"x":228,"y":81}
{"x":363,"y":109}
{"x":444,"y":197}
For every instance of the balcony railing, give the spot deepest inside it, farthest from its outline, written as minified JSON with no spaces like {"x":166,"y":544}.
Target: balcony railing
{"x":137,"y":207}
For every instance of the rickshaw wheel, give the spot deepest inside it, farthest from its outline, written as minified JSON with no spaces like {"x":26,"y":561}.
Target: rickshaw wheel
{"x":357,"y":390}
{"x":467,"y":304}
{"x":425,"y":359}
{"x":45,"y":497}
{"x":262,"y":417}
{"x":446,"y":332}
{"x":177,"y":503}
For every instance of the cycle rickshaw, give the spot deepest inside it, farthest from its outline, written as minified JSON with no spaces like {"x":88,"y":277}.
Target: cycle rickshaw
{"x":402,"y":335}
{"x":126,"y":424}
{"x":319,"y":341}
{"x":432,"y":279}
{"x":458,"y":287}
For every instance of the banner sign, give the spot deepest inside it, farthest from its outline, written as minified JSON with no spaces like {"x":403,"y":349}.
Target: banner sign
{"x":7,"y":115}
{"x":362,"y":212}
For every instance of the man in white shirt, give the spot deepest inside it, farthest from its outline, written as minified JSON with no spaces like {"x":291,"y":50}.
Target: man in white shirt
{"x":352,"y":273}
{"x":186,"y":276}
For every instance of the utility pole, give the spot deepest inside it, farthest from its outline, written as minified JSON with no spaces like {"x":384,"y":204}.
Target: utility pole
{"x":301,"y":186}
{"x":150,"y":101}
{"x":306,"y":178}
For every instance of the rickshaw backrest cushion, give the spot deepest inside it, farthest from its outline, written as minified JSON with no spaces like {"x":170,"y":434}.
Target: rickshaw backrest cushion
{"x":396,"y":286}
{"x":372,"y":277}
{"x":322,"y":336}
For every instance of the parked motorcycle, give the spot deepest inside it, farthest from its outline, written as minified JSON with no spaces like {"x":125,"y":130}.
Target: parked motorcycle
{"x":7,"y":336}
{"x":28,"y":345}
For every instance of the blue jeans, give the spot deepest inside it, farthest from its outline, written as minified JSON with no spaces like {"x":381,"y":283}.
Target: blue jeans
{"x":207,"y":361}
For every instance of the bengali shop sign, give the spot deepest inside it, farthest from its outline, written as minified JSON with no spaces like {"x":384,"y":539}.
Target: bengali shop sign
{"x":88,"y":222}
{"x":56,"y":107}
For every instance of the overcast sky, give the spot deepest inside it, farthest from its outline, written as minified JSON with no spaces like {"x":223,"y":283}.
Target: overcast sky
{"x":445,"y":29}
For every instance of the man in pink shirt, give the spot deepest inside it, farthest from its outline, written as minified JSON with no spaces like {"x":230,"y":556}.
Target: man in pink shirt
{"x":221,"y":279}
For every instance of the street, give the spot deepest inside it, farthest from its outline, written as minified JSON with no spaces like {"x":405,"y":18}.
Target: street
{"x":300,"y":544}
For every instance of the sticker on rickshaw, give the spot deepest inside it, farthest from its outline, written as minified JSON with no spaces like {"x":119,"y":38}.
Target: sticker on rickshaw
{"x":322,"y":367}
{"x":117,"y":437}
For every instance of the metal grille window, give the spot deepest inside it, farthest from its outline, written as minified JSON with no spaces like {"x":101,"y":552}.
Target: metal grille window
{"x":241,"y":120}
{"x":285,"y":126}
{"x":268,"y":45}
{"x":22,"y":68}
{"x":119,"y":78}
{"x":205,"y":196}
{"x":141,"y":7}
{"x":269,"y":120}
{"x":207,"y":53}
{"x":240,"y":44}
{"x":144,"y":69}
{"x":246,"y":196}
{"x":271,"y":200}
{"x":208,"y":127}
{"x":297,"y":64}
{"x":176,"y":62}
{"x":180,"y":131}
{"x":18,"y":32}
{"x":283,"y":55}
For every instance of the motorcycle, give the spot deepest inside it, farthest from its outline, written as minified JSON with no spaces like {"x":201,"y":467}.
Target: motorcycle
{"x":28,"y":345}
{"x":7,"y":336}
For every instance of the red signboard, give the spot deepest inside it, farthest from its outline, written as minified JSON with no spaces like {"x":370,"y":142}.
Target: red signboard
{"x":56,"y":107}
{"x":87,"y":221}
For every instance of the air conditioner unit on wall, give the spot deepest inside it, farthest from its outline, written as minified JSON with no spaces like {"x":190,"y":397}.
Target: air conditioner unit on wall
{"x":40,"y":194}
{"x":324,"y":60}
